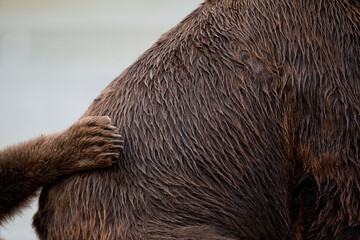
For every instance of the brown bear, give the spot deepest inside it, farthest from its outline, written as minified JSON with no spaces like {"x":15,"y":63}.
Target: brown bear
{"x":91,"y":142}
{"x":242,"y":122}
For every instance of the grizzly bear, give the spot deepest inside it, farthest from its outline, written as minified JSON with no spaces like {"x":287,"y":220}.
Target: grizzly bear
{"x":91,"y":142}
{"x":242,"y":122}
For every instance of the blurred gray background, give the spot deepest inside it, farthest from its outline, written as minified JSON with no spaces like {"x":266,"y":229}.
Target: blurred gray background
{"x":57,"y":55}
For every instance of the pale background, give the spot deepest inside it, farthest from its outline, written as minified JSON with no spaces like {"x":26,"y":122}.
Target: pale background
{"x":57,"y":55}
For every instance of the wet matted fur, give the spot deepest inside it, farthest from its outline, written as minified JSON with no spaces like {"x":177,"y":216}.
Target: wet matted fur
{"x":242,"y":122}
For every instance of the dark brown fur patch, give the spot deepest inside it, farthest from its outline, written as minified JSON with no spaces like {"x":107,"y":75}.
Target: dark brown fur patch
{"x":243,"y":120}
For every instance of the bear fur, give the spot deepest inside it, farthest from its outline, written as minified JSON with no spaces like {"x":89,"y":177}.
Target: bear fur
{"x":242,"y":122}
{"x":26,"y":167}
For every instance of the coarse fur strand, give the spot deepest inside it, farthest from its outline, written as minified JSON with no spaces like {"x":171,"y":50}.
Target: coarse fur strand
{"x":242,"y":122}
